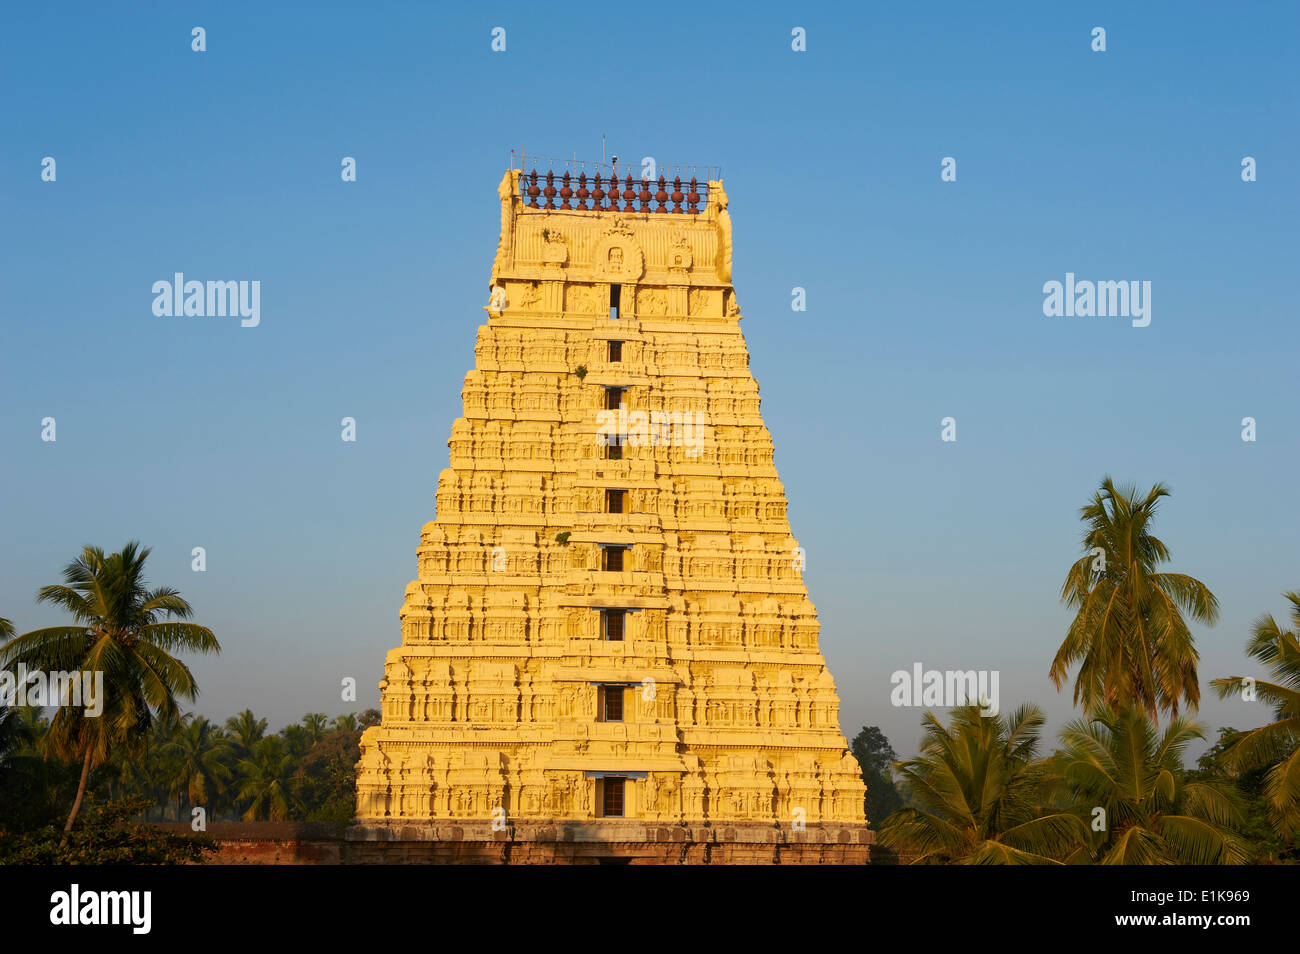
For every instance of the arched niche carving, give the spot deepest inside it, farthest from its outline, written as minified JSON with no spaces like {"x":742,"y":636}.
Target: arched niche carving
{"x":619,"y":259}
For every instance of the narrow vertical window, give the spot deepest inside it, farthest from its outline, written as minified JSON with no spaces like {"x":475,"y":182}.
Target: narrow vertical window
{"x":613,"y":708}
{"x":615,"y":620}
{"x":613,"y":398}
{"x":616,"y":501}
{"x":613,"y":797}
{"x":612,"y":559}
{"x":614,"y":295}
{"x":615,"y":351}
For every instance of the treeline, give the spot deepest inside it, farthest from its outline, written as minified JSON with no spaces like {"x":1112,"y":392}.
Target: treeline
{"x":233,"y":771}
{"x":1116,"y":789}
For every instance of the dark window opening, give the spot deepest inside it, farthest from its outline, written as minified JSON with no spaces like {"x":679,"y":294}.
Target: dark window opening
{"x":613,"y":398}
{"x":614,"y":624}
{"x":615,"y":351}
{"x":614,"y":450}
{"x":613,"y":559}
{"x":615,"y":501}
{"x":614,"y":295}
{"x":613,"y":797}
{"x":613,"y":703}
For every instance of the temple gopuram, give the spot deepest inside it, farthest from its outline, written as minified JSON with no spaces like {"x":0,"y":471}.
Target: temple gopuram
{"x":608,"y":653}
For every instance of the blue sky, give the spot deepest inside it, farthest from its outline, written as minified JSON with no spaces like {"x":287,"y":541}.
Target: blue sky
{"x":924,"y":301}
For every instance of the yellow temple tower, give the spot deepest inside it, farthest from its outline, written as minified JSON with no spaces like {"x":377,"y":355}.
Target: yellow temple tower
{"x":609,"y":652}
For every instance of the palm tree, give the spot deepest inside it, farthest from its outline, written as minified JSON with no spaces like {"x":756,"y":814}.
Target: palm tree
{"x":1117,"y":762}
{"x":141,"y":772}
{"x":1276,"y":745}
{"x":124,"y":632}
{"x":346,"y":723}
{"x":1129,"y":636}
{"x":976,"y":792}
{"x":18,"y":731}
{"x":267,"y":781}
{"x":316,"y":724}
{"x":245,"y":731}
{"x":198,"y":750}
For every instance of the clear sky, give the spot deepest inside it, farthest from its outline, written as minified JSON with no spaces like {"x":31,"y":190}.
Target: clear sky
{"x":924,"y":300}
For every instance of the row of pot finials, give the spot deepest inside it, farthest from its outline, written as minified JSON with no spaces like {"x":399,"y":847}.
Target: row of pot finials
{"x":604,"y":193}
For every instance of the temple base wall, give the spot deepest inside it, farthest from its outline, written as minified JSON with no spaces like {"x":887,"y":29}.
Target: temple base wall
{"x":559,"y":842}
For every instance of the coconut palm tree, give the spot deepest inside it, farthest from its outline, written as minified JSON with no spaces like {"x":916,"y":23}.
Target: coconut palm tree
{"x":316,"y":724}
{"x":1129,"y":636}
{"x":267,"y":781}
{"x":1276,"y":745}
{"x":125,"y":631}
{"x":1121,"y":763}
{"x":244,"y":732}
{"x":17,"y":732}
{"x":21,"y":728}
{"x":197,"y":751}
{"x":345,"y":723}
{"x":976,"y":795}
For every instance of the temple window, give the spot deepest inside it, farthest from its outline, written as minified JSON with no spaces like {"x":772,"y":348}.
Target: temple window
{"x":611,"y":703}
{"x":613,"y":797}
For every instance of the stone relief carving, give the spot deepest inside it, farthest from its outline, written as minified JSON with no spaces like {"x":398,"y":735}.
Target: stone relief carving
{"x":699,"y":301}
{"x":652,"y":301}
{"x":680,"y":254}
{"x":531,"y":297}
{"x":617,"y":255}
{"x":555,"y":248}
{"x":583,"y":299}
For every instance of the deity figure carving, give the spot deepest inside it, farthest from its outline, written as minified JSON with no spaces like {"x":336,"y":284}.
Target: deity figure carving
{"x":531,"y":297}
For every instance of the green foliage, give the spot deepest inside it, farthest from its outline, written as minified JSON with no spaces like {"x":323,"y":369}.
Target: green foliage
{"x":976,"y":794}
{"x":1129,"y":638}
{"x":125,"y":631}
{"x":197,"y":754}
{"x":1116,"y":793}
{"x":34,"y":791}
{"x":327,"y":778}
{"x":563,"y":538}
{"x":876,"y":756}
{"x":244,"y":731}
{"x":1154,"y":812}
{"x":581,"y":372}
{"x":191,"y":762}
{"x":1275,"y":747}
{"x":1256,"y":828}
{"x":267,"y":781}
{"x":103,"y":836}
